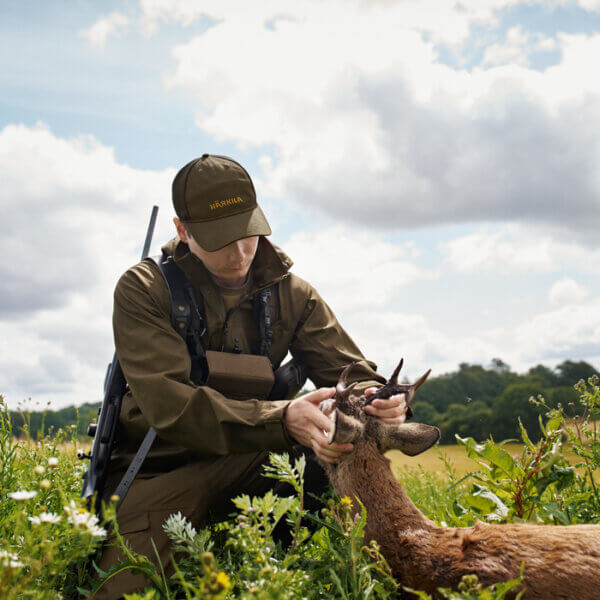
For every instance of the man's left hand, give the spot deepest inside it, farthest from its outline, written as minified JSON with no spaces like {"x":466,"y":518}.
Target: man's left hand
{"x":390,"y":410}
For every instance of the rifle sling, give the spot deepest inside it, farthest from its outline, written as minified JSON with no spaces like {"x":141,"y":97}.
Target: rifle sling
{"x":134,"y":466}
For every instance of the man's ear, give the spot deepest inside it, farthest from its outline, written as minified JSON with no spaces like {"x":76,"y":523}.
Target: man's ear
{"x":344,"y":428}
{"x":410,"y":438}
{"x":181,"y":230}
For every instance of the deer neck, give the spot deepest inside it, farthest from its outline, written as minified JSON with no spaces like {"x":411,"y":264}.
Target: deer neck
{"x":367,"y":476}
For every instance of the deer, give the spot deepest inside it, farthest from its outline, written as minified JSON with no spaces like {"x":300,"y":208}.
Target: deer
{"x":559,"y":561}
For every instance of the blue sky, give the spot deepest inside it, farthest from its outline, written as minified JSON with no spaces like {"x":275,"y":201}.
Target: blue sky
{"x":432,"y":168}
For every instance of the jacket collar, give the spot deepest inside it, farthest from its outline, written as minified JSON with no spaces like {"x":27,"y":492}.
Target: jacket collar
{"x":270,"y":265}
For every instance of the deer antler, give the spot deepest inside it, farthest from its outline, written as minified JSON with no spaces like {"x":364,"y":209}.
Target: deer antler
{"x":392,"y":387}
{"x":342,"y":390}
{"x":342,"y":393}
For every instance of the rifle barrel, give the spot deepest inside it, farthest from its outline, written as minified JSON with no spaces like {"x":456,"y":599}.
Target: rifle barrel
{"x":150,"y":232}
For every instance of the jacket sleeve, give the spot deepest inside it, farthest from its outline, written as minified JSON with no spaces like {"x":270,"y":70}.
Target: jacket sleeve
{"x":322,"y":344}
{"x":156,"y":364}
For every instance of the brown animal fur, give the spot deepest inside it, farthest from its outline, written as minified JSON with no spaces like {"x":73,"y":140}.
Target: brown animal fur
{"x":560,"y":561}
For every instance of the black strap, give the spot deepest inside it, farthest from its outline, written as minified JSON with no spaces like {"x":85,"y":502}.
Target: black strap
{"x":187,"y":314}
{"x":134,"y":466}
{"x":266,"y":312}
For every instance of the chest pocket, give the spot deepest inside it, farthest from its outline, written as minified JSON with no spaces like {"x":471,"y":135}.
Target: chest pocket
{"x":240,"y":376}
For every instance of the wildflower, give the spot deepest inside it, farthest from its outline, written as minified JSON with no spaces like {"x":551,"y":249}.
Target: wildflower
{"x":39,"y":470}
{"x":22,"y":495}
{"x":45,"y":484}
{"x":223,"y":580}
{"x":8,"y":559}
{"x":53,"y":462}
{"x":49,"y":517}
{"x":345,"y":501}
{"x":82,"y":518}
{"x":45,"y":518}
{"x":114,"y":498}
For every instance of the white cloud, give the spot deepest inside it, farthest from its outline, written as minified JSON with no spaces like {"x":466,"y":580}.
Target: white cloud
{"x":514,"y":249}
{"x":445,"y":22}
{"x":362,"y":121}
{"x":98,"y":33}
{"x":567,"y":291}
{"x":75,"y":220}
{"x":514,"y":50}
{"x":353,"y":269}
{"x":571,"y":331}
{"x":517,"y":48}
{"x":589,"y":5}
{"x":549,"y":338}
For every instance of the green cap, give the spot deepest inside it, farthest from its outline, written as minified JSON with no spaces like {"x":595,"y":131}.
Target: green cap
{"x":215,"y":198}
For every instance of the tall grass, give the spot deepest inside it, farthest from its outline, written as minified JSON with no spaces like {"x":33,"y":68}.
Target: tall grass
{"x":45,"y":531}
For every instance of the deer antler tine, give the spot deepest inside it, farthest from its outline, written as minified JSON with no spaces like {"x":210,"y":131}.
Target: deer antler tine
{"x":341,"y":384}
{"x":415,"y":386}
{"x":394,"y":378}
{"x":345,"y":394}
{"x":421,"y":380}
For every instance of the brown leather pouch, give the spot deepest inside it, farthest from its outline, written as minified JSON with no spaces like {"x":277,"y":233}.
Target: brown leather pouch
{"x":239,"y":376}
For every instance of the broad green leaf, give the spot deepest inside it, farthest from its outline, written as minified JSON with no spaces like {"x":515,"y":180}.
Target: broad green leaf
{"x":551,"y":509}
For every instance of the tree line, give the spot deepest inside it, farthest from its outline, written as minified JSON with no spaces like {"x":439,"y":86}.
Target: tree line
{"x":479,"y":402}
{"x":473,"y":401}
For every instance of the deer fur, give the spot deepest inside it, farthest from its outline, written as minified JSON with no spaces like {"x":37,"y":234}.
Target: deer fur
{"x":560,"y":561}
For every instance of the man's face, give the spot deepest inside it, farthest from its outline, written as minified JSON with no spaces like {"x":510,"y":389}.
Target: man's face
{"x":229,"y":266}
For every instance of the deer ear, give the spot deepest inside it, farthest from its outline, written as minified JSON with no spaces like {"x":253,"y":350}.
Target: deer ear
{"x":410,"y":438}
{"x":344,"y":428}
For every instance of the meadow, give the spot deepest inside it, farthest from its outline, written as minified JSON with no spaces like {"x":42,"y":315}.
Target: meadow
{"x":48,"y":538}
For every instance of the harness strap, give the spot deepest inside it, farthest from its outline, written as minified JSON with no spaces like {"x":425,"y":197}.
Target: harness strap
{"x":187,"y":314}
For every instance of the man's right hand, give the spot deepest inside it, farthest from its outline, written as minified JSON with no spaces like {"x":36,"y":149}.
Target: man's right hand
{"x":309,"y":426}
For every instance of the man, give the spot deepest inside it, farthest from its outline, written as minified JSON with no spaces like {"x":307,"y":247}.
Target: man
{"x":212,"y":438}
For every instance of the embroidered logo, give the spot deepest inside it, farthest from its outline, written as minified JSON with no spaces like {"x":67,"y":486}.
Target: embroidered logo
{"x":228,"y":202}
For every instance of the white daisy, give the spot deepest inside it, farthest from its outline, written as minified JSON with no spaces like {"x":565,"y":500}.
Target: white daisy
{"x":81,"y":517}
{"x":22,"y":495}
{"x":9,"y":559}
{"x":50,"y":518}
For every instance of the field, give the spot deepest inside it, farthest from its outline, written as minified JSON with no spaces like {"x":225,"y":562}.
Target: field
{"x":431,"y":461}
{"x":45,"y":529}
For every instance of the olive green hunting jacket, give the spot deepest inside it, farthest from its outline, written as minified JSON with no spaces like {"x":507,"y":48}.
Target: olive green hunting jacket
{"x":196,"y":421}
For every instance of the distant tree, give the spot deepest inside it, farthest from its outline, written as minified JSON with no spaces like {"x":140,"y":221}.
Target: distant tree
{"x":570,"y":372}
{"x":547,"y":377}
{"x":514,"y":404}
{"x":426,"y":413}
{"x":498,"y":365}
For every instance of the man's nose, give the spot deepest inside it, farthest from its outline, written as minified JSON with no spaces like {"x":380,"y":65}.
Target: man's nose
{"x":236,"y":250}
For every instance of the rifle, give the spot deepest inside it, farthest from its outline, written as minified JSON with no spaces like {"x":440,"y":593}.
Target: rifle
{"x":105,"y":430}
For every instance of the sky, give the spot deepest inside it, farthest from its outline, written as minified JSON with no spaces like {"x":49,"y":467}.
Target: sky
{"x":431,"y":167}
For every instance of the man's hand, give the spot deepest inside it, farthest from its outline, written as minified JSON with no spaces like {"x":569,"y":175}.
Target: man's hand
{"x":309,"y":426}
{"x":390,"y":410}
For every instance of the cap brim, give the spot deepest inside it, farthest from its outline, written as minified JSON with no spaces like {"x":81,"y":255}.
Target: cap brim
{"x":216,"y":234}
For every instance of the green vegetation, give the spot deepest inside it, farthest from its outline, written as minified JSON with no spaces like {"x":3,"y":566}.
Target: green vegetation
{"x":44,"y":528}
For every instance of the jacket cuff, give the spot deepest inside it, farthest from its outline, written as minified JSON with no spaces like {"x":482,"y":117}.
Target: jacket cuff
{"x":277,"y":436}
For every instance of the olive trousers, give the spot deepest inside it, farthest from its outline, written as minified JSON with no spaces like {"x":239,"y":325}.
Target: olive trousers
{"x":195,"y":490}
